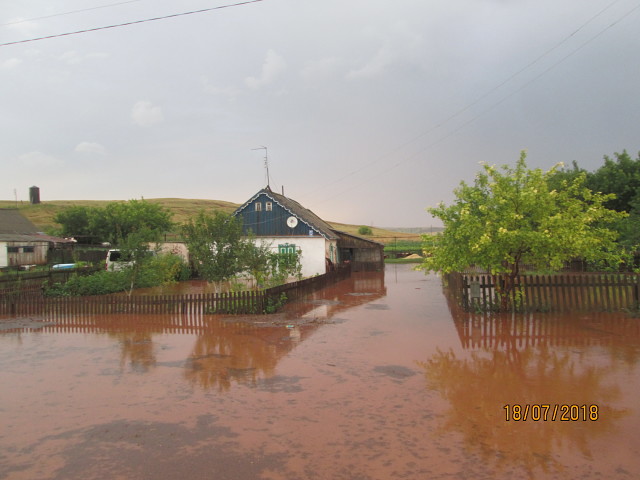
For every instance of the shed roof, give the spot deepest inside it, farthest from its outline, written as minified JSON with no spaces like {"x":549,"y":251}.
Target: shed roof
{"x":14,"y":227}
{"x":348,"y":240}
{"x":13,"y":222}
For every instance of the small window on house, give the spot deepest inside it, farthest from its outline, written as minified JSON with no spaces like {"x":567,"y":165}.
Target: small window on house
{"x":13,"y":250}
{"x":268,"y":206}
{"x":286,"y":248}
{"x":258,"y":206}
{"x":28,"y":249}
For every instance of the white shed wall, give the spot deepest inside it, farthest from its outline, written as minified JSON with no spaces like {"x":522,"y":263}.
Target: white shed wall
{"x":4,"y":259}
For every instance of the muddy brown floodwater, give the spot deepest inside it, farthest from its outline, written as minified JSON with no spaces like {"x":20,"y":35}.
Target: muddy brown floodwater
{"x":377,"y":377}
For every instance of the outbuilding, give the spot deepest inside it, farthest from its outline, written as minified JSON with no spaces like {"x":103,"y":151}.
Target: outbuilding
{"x":21,"y":243}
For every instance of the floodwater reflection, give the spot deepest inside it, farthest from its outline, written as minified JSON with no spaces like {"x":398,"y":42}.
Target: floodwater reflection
{"x":544,"y":360}
{"x":368,"y":379}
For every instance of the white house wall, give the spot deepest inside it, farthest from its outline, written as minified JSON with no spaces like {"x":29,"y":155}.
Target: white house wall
{"x":4,"y":259}
{"x":313,"y":251}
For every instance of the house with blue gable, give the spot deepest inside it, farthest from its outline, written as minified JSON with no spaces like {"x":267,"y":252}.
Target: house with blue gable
{"x":287,"y":226}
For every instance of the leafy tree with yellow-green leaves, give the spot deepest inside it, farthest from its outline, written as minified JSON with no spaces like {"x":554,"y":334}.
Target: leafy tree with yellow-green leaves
{"x":511,"y":215}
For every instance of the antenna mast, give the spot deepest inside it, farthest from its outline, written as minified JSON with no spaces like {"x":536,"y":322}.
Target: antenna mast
{"x":266,"y":162}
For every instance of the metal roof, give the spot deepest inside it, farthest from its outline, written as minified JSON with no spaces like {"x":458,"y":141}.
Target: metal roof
{"x":14,"y":227}
{"x":12,"y":222}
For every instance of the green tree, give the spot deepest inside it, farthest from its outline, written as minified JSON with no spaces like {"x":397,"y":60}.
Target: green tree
{"x":364,"y":230}
{"x":119,"y":219}
{"x":257,"y":261}
{"x":512,"y":216}
{"x":115,"y":221}
{"x":135,"y":247}
{"x":74,"y":222}
{"x":620,"y":176}
{"x":269,"y":268}
{"x":216,"y":245}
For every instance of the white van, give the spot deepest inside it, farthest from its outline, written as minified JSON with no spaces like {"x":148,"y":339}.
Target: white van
{"x":115,"y":262}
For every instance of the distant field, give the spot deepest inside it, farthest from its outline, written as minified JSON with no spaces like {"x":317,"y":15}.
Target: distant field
{"x":379,"y":234}
{"x":42,"y":214}
{"x":182,"y":208}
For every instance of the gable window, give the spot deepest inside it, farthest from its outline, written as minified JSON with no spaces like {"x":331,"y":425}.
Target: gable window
{"x":268,"y":206}
{"x":258,"y":206}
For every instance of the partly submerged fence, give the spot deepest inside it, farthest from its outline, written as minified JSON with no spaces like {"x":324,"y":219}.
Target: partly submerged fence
{"x":249,"y":302}
{"x":18,"y":281}
{"x":241,"y":302}
{"x":569,"y":292}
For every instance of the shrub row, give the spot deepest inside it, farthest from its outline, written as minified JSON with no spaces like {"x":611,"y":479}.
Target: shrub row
{"x":158,"y":270}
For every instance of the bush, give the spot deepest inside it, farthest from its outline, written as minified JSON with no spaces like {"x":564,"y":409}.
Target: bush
{"x":101,"y":283}
{"x":158,"y":270}
{"x":364,"y":230}
{"x":161,"y":270}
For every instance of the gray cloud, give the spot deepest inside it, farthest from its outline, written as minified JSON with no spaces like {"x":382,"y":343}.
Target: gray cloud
{"x":371,"y":110}
{"x":145,"y":113}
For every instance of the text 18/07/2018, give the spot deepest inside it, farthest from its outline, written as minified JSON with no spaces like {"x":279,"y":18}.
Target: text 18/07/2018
{"x":551,"y":412}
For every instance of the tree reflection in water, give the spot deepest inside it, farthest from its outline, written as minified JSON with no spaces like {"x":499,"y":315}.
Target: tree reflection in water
{"x":137,"y":349}
{"x":240,"y":352}
{"x":528,"y":360}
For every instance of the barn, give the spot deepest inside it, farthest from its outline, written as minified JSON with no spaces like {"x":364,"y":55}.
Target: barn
{"x":362,"y":253}
{"x":20,"y":242}
{"x":287,"y":226}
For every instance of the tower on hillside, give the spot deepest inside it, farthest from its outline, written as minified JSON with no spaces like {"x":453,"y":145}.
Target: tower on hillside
{"x":34,"y":195}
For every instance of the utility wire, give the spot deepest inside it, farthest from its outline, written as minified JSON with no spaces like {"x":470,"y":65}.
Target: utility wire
{"x":135,"y":22}
{"x":488,"y":109}
{"x":459,"y":112}
{"x":16,"y":22}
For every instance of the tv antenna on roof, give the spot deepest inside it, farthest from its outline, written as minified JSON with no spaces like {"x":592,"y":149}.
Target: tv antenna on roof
{"x":266,"y":162}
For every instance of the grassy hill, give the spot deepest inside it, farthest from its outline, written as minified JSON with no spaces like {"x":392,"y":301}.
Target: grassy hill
{"x":182,"y":209}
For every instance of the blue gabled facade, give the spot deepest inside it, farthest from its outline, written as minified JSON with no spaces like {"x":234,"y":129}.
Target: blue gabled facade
{"x":267,"y":214}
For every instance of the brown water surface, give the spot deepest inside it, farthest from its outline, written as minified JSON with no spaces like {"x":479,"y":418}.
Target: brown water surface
{"x":377,"y":377}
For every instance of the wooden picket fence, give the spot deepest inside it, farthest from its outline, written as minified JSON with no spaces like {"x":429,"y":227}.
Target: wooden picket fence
{"x":228,"y":303}
{"x":32,"y":302}
{"x":563,"y":293}
{"x":17,"y":281}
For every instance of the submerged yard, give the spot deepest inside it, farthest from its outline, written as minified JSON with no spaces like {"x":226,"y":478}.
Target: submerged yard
{"x":376,"y":377}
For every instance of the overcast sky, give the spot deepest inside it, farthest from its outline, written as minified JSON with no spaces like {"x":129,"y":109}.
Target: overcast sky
{"x":371,"y":110}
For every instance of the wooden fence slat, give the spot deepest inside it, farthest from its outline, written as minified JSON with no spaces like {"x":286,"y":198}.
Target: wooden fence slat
{"x":607,"y":299}
{"x":34,"y":303}
{"x":592,"y":292}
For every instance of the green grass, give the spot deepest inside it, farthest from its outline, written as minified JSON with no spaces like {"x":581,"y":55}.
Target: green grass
{"x":403,"y":260}
{"x":42,"y":214}
{"x":381,"y":235}
{"x":404,"y":245}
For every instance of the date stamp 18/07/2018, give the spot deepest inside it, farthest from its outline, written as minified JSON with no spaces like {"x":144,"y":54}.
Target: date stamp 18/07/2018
{"x":547,"y":412}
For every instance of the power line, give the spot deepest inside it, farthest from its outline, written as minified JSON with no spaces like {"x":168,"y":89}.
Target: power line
{"x":488,"y":109}
{"x":66,"y":13}
{"x":467,"y":107}
{"x":135,"y":22}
